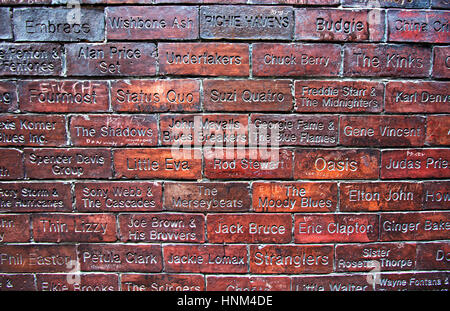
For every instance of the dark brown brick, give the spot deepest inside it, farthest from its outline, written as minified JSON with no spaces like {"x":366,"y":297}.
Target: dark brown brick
{"x":78,"y":282}
{"x":111,"y":59}
{"x":58,"y":24}
{"x":5,"y":24}
{"x":248,"y":283}
{"x":114,"y":130}
{"x":418,"y":26}
{"x":236,"y":163}
{"x":325,"y":228}
{"x":11,"y":166}
{"x":32,"y":130}
{"x":332,"y":283}
{"x":17,"y":282}
{"x":162,"y":282}
{"x":418,"y":97}
{"x":294,"y":130}
{"x":35,"y":197}
{"x":247,"y":95}
{"x":382,"y":131}
{"x":375,"y":257}
{"x":413,"y":281}
{"x":48,"y":163}
{"x":162,"y":227}
{"x":207,"y":197}
{"x":155,"y":95}
{"x":436,"y":195}
{"x":380,"y":196}
{"x":283,"y":59}
{"x":63,"y":96}
{"x":30,"y":59}
{"x":118,"y":196}
{"x":291,"y":259}
{"x":14,"y":228}
{"x":336,"y":163}
{"x":204,"y":59}
{"x":294,"y":197}
{"x":438,"y":130}
{"x":158,"y":163}
{"x":338,"y":96}
{"x":120,"y":257}
{"x":339,"y":25}
{"x":149,"y":23}
{"x":246,"y":22}
{"x":433,"y":256}
{"x":415,"y":163}
{"x":8,"y":96}
{"x":390,"y":60}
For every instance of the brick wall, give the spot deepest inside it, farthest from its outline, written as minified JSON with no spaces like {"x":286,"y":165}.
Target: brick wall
{"x":113,"y":115}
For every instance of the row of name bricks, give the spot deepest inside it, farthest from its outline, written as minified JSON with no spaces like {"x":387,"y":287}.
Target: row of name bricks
{"x":211,"y":95}
{"x":223,"y":163}
{"x":210,"y":197}
{"x":225,"y":259}
{"x":225,"y":59}
{"x":225,"y":228}
{"x":224,"y":130}
{"x":225,"y":22}
{"x":386,"y":281}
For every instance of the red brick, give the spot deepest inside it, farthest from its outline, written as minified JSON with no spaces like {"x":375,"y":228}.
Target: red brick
{"x":291,"y":259}
{"x":339,"y":25}
{"x":416,"y":97}
{"x":74,"y":228}
{"x":5,"y":24}
{"x":382,"y":131}
{"x":14,"y":228}
{"x":37,"y":258}
{"x":11,"y":166}
{"x":198,"y":1}
{"x":120,"y":257}
{"x":162,"y":227}
{"x":440,"y":4}
{"x":338,"y":96}
{"x":336,"y":163}
{"x":204,"y":59}
{"x":249,"y":228}
{"x":436,"y":195}
{"x":299,"y":2}
{"x":205,"y":258}
{"x":438,"y":130}
{"x":207,"y":197}
{"x":416,"y":4}
{"x":63,"y":96}
{"x":441,"y":62}
{"x":433,"y":256}
{"x":78,"y":282}
{"x":114,"y":130}
{"x":390,"y":60}
{"x":380,"y":196}
{"x":111,"y":59}
{"x":47,"y":163}
{"x":246,"y":22}
{"x":232,"y":163}
{"x":8,"y":96}
{"x":332,"y":283}
{"x":17,"y":282}
{"x":155,"y":95}
{"x":375,"y":257}
{"x":30,"y":130}
{"x":294,"y":197}
{"x":162,"y":282}
{"x":418,"y":26}
{"x":118,"y":196}
{"x":324,"y":228}
{"x":163,"y":22}
{"x":35,"y":197}
{"x":282,"y":59}
{"x":30,"y":59}
{"x":247,"y":95}
{"x":248,"y":283}
{"x":415,"y":163}
{"x":414,"y":226}
{"x":294,"y":130}
{"x":210,"y":130}
{"x":158,"y":163}
{"x":413,"y":281}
